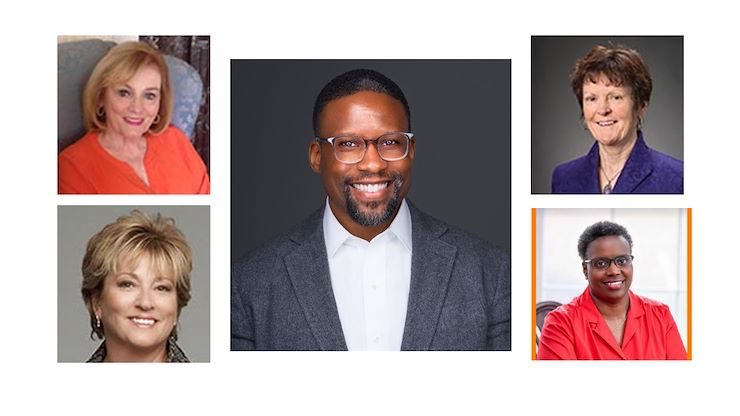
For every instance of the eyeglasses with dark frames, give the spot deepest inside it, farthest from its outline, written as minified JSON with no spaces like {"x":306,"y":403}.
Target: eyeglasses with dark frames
{"x":351,"y":149}
{"x":603,"y":263}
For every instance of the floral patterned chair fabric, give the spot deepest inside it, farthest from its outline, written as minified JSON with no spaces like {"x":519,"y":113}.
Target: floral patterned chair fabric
{"x":76,"y":61}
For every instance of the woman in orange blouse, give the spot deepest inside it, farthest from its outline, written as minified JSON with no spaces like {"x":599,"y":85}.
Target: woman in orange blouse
{"x":130,"y":147}
{"x":607,"y":321}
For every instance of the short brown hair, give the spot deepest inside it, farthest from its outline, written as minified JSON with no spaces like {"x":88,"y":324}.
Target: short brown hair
{"x":118,"y":66}
{"x":622,"y":66}
{"x":128,"y":239}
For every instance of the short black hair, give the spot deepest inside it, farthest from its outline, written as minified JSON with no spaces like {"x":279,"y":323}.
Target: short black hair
{"x":598,"y":230}
{"x":355,"y":81}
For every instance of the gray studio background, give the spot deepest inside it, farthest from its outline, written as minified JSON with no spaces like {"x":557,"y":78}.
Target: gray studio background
{"x":460,"y":114}
{"x":76,"y":225}
{"x":558,"y":135}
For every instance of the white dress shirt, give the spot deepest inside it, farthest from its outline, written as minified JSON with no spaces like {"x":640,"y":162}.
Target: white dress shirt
{"x":370,"y":281}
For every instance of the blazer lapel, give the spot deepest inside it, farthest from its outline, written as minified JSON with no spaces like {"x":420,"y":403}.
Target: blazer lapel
{"x":431,"y":268}
{"x":308,"y":269}
{"x":587,"y":173}
{"x":637,"y":168}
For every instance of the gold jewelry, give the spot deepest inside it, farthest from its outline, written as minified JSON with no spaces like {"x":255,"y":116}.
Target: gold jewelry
{"x":100,"y":112}
{"x":156,"y":119}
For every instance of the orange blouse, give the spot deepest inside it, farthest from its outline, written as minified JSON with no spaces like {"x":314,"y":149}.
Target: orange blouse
{"x":577,"y":331}
{"x":172,"y":167}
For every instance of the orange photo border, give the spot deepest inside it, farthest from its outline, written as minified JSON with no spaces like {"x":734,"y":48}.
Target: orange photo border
{"x":689,"y":265}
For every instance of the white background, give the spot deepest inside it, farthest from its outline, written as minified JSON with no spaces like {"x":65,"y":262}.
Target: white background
{"x":365,"y":383}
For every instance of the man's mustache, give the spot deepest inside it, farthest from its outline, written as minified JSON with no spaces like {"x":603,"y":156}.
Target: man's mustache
{"x":387,"y":177}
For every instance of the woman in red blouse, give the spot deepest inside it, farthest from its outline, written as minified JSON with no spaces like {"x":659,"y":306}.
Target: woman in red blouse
{"x":607,"y":321}
{"x":130,"y":146}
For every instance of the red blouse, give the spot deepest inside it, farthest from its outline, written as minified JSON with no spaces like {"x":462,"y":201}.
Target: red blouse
{"x":172,"y":166}
{"x":577,"y":331}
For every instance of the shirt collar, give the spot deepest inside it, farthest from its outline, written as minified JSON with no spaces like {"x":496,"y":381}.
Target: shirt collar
{"x":335,"y":235}
{"x":636,"y":308}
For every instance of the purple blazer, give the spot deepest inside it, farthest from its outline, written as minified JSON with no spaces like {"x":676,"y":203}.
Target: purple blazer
{"x":646,"y":172}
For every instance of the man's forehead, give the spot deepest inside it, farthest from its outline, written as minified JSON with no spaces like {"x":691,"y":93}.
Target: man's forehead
{"x":377,"y":102}
{"x":367,"y":96}
{"x":358,"y":106}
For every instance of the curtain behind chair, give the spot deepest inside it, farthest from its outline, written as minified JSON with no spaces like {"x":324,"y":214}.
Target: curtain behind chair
{"x":194,"y":50}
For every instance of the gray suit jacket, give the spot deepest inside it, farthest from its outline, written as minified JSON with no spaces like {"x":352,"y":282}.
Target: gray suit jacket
{"x":459,"y":299}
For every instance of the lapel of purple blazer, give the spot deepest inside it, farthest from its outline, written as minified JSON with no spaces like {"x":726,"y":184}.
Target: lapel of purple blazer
{"x":638,"y":167}
{"x":588,"y":172}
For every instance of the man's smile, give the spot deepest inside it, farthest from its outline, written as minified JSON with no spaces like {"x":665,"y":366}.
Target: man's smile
{"x":370,"y":187}
{"x":371,"y":190}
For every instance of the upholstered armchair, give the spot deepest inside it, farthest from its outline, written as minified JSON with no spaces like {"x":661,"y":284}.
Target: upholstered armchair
{"x":76,"y":61}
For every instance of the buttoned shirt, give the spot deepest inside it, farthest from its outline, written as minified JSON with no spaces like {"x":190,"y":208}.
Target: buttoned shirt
{"x":370,"y":281}
{"x":577,"y":331}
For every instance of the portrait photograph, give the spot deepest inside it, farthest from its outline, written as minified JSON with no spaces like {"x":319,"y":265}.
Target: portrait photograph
{"x":607,"y":114}
{"x":611,"y":284}
{"x":133,"y":284}
{"x":367,"y":196}
{"x":311,"y":138}
{"x":133,"y":114}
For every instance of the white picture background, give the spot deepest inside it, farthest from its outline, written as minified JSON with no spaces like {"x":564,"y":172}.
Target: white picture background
{"x":365,"y":383}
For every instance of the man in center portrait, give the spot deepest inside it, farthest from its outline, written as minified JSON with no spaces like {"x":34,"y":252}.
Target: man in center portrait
{"x":334,"y":246}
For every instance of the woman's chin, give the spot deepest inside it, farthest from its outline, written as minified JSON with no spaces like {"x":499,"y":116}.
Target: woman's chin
{"x":614,"y":141}
{"x":609,"y":142}
{"x":138,"y":345}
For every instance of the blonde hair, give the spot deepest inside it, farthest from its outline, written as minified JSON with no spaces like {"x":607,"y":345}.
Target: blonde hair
{"x":118,"y":66}
{"x":126,"y":241}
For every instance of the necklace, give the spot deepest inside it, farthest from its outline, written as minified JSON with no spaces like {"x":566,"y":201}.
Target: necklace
{"x":608,"y":187}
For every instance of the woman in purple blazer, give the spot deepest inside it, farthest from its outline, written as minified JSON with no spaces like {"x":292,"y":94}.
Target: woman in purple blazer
{"x":613,"y":87}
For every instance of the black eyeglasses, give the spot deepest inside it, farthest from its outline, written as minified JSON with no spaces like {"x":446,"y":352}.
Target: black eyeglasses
{"x":351,"y":149}
{"x":603,"y":263}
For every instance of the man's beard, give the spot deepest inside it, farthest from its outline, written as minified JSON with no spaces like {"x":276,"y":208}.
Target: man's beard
{"x":371,"y":219}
